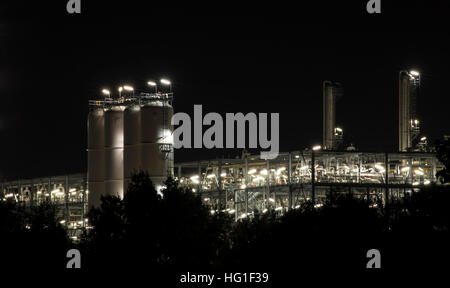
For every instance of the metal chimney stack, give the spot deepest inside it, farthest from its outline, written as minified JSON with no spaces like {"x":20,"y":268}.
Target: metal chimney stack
{"x":331,"y":91}
{"x":409,"y":125}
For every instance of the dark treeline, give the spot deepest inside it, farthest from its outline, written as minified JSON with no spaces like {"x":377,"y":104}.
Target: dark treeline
{"x":152,"y":235}
{"x":179,"y":233}
{"x":31,"y":238}
{"x":175,"y":233}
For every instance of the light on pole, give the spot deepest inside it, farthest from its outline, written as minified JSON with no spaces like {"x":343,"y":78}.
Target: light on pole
{"x":153,"y":84}
{"x":106,"y":92}
{"x":167,"y":83}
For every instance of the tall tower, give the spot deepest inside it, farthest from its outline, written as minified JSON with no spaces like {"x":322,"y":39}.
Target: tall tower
{"x":331,"y":91}
{"x":409,"y":124}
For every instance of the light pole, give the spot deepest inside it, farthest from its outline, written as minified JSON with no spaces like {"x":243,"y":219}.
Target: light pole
{"x":128,"y":88}
{"x":106,"y":92}
{"x":167,"y":83}
{"x":153,"y":84}
{"x":120,"y":91}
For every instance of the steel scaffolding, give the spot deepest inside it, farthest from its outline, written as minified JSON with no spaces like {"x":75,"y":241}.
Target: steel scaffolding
{"x":250,"y":185}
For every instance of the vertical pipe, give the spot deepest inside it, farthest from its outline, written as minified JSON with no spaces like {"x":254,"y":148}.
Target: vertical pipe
{"x":246,"y":184}
{"x":49,"y":188}
{"x":220,"y":182}
{"x":267,"y":180}
{"x":226,"y":199}
{"x":235,"y":204}
{"x":386,"y":164}
{"x":85,"y":201}
{"x":31,"y":193}
{"x":411,"y":174}
{"x":313,"y":188}
{"x":66,"y":199}
{"x":359,"y":167}
{"x":246,"y":201}
{"x":433,"y":169}
{"x":246,"y":170}
{"x":289,"y":181}
{"x":290,"y":168}
{"x":199,"y":186}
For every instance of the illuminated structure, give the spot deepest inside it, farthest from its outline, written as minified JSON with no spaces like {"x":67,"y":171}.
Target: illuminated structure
{"x":409,"y":124}
{"x":67,"y":192}
{"x":332,"y":135}
{"x":245,"y":186}
{"x":249,"y":185}
{"x":136,"y":133}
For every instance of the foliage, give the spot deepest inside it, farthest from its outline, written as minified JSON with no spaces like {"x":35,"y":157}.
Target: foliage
{"x":31,"y":237}
{"x":443,"y":155}
{"x":174,"y":231}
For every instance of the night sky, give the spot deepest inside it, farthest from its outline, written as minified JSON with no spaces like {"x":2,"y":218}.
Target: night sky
{"x":261,"y":57}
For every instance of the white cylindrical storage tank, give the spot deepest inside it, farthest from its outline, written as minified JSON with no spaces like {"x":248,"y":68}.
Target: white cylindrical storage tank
{"x":96,"y":156}
{"x":157,"y":141}
{"x":132,"y":140}
{"x":114,"y":151}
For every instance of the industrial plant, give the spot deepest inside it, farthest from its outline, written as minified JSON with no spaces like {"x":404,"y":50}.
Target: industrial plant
{"x":134,"y":132}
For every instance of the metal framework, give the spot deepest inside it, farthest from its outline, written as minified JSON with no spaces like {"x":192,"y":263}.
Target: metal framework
{"x":250,"y":185}
{"x":67,"y":192}
{"x":140,"y":99}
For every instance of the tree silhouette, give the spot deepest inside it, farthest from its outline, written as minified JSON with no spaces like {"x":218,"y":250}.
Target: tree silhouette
{"x":31,"y":237}
{"x":443,"y":155}
{"x":173,"y":231}
{"x":146,"y":230}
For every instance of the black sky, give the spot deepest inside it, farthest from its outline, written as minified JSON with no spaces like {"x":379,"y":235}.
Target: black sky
{"x":261,"y":57}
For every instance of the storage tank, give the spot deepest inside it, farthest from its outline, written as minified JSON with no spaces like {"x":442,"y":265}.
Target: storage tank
{"x":157,"y":141}
{"x":114,"y":151}
{"x":132,"y":140}
{"x":96,"y":156}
